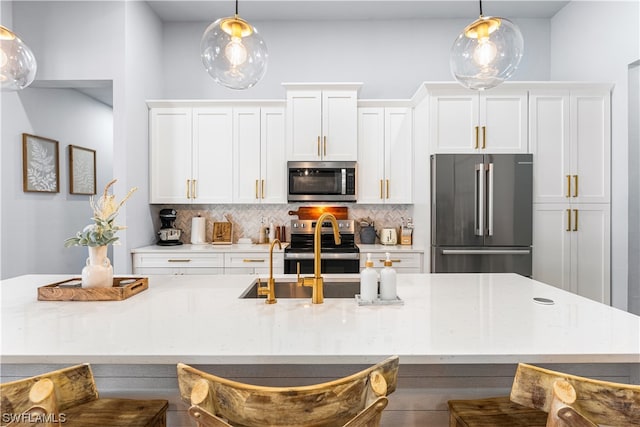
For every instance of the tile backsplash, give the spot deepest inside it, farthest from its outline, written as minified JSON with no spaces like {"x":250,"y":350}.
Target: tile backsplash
{"x":246,"y":219}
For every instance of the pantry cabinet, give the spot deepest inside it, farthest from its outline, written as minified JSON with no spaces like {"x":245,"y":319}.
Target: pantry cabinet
{"x":571,"y":248}
{"x":259,"y":155}
{"x":385,"y":155}
{"x":190,"y":155}
{"x":465,"y":121}
{"x":570,"y":135}
{"x":322,"y":122}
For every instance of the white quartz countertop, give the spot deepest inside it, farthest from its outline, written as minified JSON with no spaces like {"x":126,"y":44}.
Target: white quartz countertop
{"x":188,"y":248}
{"x":446,"y":319}
{"x":209,"y":248}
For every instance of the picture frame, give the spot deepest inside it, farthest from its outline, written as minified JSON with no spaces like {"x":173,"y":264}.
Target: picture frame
{"x":40,"y":164}
{"x":82,"y":170}
{"x":222,"y":233}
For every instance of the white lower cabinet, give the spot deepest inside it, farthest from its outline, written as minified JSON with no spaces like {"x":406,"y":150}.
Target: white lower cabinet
{"x":402,"y":262}
{"x":571,"y":248}
{"x":252,"y":263}
{"x":178,"y":263}
{"x":184,"y":262}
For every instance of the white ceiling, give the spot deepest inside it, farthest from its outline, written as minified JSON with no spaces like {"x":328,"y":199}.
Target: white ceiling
{"x":316,"y":10}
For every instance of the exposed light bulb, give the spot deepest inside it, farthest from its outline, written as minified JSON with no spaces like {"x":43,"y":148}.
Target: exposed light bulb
{"x":235,"y":52}
{"x":485,"y":52}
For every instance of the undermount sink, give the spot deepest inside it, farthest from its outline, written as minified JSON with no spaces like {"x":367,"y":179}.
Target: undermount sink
{"x":286,"y":288}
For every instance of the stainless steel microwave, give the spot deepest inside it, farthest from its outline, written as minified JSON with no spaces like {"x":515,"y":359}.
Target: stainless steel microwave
{"x":322,"y":181}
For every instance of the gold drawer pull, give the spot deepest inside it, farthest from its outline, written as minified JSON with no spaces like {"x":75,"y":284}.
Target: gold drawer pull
{"x":262,"y":189}
{"x":484,"y":137}
{"x":188,"y":189}
{"x":477,"y":130}
{"x":575,"y":225}
{"x":193,"y":191}
{"x":318,"y":145}
{"x":325,"y":145}
{"x":179,"y":260}
{"x":568,"y":219}
{"x":256,"y":188}
{"x":382,"y":189}
{"x":387,"y":189}
{"x":252,"y":260}
{"x":575,"y":188}
{"x":392,"y":260}
{"x":568,"y":185}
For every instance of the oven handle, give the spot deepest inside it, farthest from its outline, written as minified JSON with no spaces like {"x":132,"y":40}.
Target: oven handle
{"x":307,"y":255}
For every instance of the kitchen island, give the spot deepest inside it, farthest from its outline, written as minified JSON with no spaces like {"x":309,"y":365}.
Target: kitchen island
{"x":457,"y":335}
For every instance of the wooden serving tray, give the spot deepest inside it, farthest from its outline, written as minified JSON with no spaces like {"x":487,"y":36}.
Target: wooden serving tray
{"x":71,"y":290}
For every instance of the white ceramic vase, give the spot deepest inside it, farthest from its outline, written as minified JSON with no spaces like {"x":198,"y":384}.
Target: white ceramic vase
{"x":98,"y":273}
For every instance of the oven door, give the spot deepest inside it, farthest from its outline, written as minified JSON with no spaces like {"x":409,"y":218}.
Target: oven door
{"x":330,"y":263}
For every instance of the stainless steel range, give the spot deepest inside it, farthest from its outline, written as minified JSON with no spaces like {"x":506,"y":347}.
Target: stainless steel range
{"x":343,"y":258}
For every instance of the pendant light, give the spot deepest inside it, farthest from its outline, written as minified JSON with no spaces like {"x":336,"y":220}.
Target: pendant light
{"x":17,"y":63}
{"x":486,"y":53}
{"x":233,"y":52}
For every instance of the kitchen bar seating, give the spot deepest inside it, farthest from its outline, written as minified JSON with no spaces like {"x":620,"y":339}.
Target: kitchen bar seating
{"x":541,"y":397}
{"x":69,"y":397}
{"x":354,"y":401}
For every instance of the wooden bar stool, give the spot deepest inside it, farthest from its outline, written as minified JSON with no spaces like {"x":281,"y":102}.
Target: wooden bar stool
{"x":353,"y":401}
{"x":69,"y":397}
{"x":541,"y":397}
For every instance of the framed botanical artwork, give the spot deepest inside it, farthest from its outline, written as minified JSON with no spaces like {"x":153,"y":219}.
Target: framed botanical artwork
{"x":40,"y":164}
{"x":82,"y":170}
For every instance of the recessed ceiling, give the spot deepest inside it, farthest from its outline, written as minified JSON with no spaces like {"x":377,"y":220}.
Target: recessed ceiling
{"x":315,"y":10}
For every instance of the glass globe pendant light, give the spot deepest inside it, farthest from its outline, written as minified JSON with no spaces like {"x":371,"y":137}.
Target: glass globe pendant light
{"x":486,"y":53}
{"x":233,"y":52}
{"x":17,"y":63}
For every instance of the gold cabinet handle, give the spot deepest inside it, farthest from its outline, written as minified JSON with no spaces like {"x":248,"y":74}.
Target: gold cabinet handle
{"x":179,"y":260}
{"x":381,"y":189}
{"x":568,"y":185}
{"x":324,"y":145}
{"x":484,"y":137}
{"x":252,"y":260}
{"x":568,"y":219}
{"x":477,"y":142}
{"x":318,"y":145}
{"x":256,"y":188}
{"x":387,"y":189}
{"x":193,"y":189}
{"x":575,"y":225}
{"x":575,"y":187}
{"x":392,"y":260}
{"x":188,"y":189}
{"x":262,"y":189}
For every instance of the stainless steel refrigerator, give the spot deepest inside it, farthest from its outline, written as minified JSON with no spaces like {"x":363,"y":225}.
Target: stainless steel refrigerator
{"x":481,"y":212}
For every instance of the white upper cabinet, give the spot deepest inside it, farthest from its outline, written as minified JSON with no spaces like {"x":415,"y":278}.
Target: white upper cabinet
{"x":190,"y":152}
{"x":212,"y":155}
{"x":259,"y":156}
{"x":570,"y":134}
{"x":385,"y":155}
{"x":322,"y":123}
{"x":465,"y":121}
{"x":170,"y":153}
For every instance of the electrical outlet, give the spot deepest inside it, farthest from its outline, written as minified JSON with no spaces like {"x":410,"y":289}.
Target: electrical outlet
{"x":264,"y":220}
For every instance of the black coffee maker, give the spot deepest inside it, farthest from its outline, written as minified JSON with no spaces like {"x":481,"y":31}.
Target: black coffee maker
{"x":168,"y":234}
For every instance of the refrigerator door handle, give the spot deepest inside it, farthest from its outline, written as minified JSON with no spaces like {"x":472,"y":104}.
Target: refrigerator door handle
{"x":478,"y":218}
{"x":490,"y":199}
{"x":486,"y":251}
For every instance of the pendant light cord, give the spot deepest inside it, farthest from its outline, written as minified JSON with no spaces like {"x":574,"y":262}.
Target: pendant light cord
{"x":479,"y":0}
{"x":237,"y":8}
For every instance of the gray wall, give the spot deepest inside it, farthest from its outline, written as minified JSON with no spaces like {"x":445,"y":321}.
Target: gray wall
{"x":35,"y":225}
{"x":390,"y":58}
{"x":604,"y":55}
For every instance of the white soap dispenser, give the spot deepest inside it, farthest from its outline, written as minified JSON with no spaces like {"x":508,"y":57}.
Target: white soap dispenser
{"x":388,"y":281}
{"x":368,"y":282}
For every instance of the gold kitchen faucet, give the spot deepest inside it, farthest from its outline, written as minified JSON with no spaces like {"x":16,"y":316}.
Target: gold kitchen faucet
{"x":316,"y":282}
